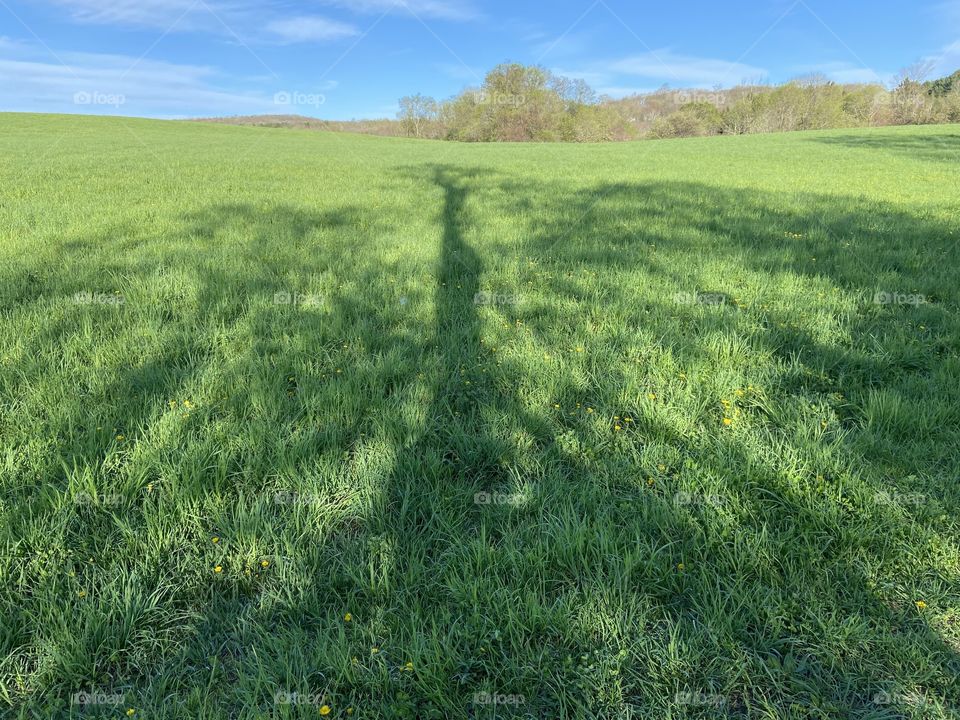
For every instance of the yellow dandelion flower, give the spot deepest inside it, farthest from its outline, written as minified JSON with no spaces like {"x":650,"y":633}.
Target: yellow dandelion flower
{"x":408,"y":667}
{"x":921,"y":605}
{"x":680,"y":567}
{"x":218,"y":569}
{"x":348,"y":617}
{"x":617,"y":428}
{"x":374,"y":650}
{"x":325,"y":710}
{"x":727,"y":421}
{"x":214,"y":540}
{"x":264,"y":563}
{"x":131,"y":712}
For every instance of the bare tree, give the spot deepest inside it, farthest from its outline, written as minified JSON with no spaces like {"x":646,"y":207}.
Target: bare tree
{"x":417,"y":112}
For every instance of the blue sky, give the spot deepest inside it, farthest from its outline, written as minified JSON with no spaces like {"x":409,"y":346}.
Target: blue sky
{"x":343,"y":59}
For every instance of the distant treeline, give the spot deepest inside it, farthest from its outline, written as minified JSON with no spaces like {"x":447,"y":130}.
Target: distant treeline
{"x":524,"y":103}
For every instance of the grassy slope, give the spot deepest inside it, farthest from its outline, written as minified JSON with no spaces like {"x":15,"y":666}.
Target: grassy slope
{"x":770,"y":566}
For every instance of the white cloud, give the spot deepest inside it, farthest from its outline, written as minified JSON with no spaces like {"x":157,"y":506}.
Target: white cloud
{"x":946,"y":62}
{"x":93,"y":83}
{"x":310,"y":29}
{"x":686,"y":70}
{"x":140,"y":13}
{"x":255,"y":21}
{"x":437,"y":9}
{"x":845,"y":72}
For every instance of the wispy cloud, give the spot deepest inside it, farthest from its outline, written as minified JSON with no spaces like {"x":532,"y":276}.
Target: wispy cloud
{"x":436,"y":9}
{"x":140,"y":13}
{"x":310,"y":29}
{"x":256,"y":21}
{"x":844,"y":72}
{"x":675,"y":69}
{"x":93,"y":83}
{"x":946,"y":62}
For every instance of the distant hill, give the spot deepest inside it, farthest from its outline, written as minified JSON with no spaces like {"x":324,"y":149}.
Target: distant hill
{"x":302,"y":122}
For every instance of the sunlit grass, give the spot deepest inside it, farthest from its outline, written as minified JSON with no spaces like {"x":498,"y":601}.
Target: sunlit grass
{"x":667,"y":428}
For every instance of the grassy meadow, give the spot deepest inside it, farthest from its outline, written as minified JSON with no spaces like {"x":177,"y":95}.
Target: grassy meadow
{"x":298,"y":424}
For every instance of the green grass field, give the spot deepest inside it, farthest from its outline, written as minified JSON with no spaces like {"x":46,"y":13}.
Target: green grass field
{"x":297,"y":423}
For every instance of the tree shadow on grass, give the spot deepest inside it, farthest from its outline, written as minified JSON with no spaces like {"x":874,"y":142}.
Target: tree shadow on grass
{"x":135,"y":459}
{"x":595,"y":575}
{"x":941,"y":147}
{"x":500,"y":545}
{"x":691,"y":239}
